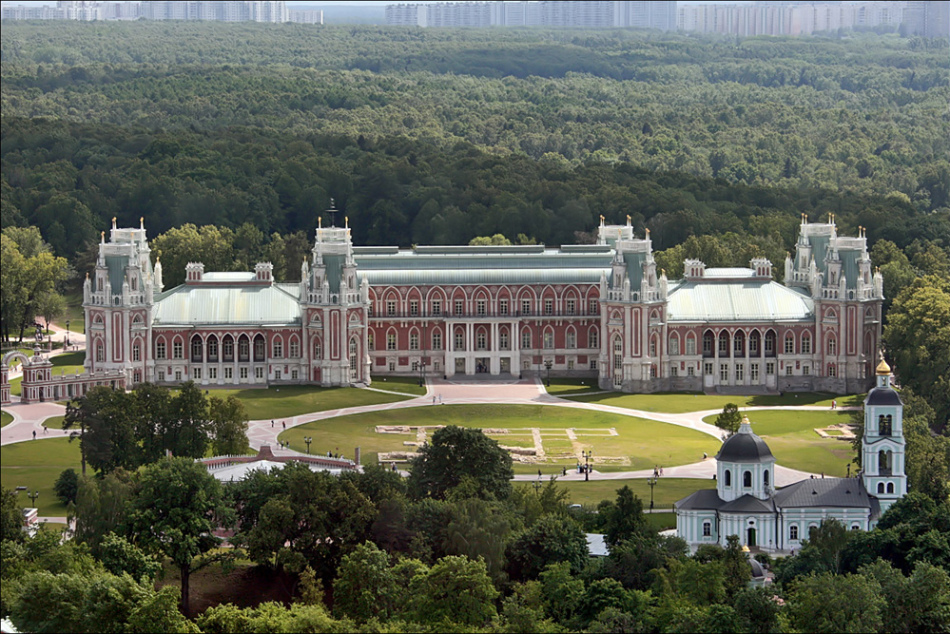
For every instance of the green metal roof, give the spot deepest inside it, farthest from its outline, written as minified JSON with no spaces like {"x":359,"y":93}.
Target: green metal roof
{"x":334,"y":265}
{"x":849,"y":266}
{"x":634,"y":262}
{"x":116,"y":265}
{"x":253,"y":305}
{"x":737,"y":301}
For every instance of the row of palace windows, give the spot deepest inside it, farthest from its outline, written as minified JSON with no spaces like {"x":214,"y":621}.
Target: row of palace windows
{"x":735,"y":346}
{"x":482,"y":307}
{"x":210,"y":346}
{"x":481,"y":340}
{"x":746,"y":479}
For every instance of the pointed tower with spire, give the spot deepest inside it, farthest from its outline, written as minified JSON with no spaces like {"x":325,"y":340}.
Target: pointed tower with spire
{"x":882,"y":447}
{"x":117,"y":302}
{"x":335,"y":304}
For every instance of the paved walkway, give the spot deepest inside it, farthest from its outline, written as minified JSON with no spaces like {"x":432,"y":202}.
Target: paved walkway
{"x":29,"y":418}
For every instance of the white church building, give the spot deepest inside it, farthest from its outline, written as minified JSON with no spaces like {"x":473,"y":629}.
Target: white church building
{"x":747,"y":504}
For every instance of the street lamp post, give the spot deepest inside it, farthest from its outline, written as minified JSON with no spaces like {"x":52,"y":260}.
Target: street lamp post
{"x":588,"y":454}
{"x":652,"y":483}
{"x":33,"y":495}
{"x":547,"y":366}
{"x":67,"y":333}
{"x":308,"y":440}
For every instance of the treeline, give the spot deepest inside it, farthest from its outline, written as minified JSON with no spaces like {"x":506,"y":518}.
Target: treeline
{"x":864,"y":114}
{"x":452,"y":548}
{"x":70,"y":179}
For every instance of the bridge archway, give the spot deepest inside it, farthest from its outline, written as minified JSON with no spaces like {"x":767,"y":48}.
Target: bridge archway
{"x":5,"y":373}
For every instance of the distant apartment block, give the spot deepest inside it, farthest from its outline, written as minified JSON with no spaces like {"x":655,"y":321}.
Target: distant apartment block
{"x":222,"y":11}
{"x":929,"y":19}
{"x":564,"y":13}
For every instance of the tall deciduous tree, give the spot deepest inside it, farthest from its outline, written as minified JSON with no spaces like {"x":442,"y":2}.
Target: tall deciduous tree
{"x":455,"y":452}
{"x":836,"y":603}
{"x":455,"y":590}
{"x":228,"y":425}
{"x":175,"y":506}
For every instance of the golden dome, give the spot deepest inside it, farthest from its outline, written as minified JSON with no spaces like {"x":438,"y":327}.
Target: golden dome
{"x":882,"y":368}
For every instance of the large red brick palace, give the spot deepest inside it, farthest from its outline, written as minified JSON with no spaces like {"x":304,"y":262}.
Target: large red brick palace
{"x":599,"y":311}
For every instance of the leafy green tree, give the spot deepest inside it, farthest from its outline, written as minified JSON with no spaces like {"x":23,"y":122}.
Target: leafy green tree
{"x":174,"y":508}
{"x":919,"y":603}
{"x":229,"y":425}
{"x":365,"y":586}
{"x":213,"y":246}
{"x":835,"y":603}
{"x":730,"y":418}
{"x":737,"y":568}
{"x":107,"y":439}
{"x":455,"y":452}
{"x":102,"y":507}
{"x":561,"y":593}
{"x":757,"y":611}
{"x":552,"y":539}
{"x":11,"y":516}
{"x":67,"y":486}
{"x":119,"y":556}
{"x":478,"y":529}
{"x":455,"y":590}
{"x":623,"y":519}
{"x":917,"y":335}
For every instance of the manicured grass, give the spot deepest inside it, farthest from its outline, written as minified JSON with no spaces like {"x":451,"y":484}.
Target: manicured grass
{"x":667,"y":490}
{"x":36,"y":465}
{"x":561,"y":386}
{"x":791,"y":437}
{"x":678,"y":403}
{"x":74,"y":313}
{"x":283,"y":402}
{"x":5,"y":418}
{"x":640,"y":443}
{"x":661,"y":521}
{"x":15,"y":388}
{"x":402,"y":384}
{"x":54,"y":422}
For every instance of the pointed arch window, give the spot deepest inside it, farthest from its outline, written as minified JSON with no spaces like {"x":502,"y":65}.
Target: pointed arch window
{"x":747,"y":479}
{"x":526,"y":338}
{"x":460,"y":339}
{"x":571,"y":340}
{"x":593,"y":337}
{"x":549,"y":339}
{"x":437,"y":340}
{"x":413,"y":340}
{"x":196,"y":350}
{"x":227,"y":348}
{"x":294,"y":348}
{"x":727,"y":477}
{"x":503,"y":341}
{"x":481,"y":340}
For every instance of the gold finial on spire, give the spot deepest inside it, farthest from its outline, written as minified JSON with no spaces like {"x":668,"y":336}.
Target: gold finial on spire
{"x":628,"y":220}
{"x":141,"y":222}
{"x":647,"y":230}
{"x":745,"y":420}
{"x":882,"y":368}
{"x":320,"y":222}
{"x":113,"y":222}
{"x":346,"y":221}
{"x":601,"y":219}
{"x":102,"y":236}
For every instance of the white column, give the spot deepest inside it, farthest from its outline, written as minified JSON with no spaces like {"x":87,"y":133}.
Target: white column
{"x":494,"y":350}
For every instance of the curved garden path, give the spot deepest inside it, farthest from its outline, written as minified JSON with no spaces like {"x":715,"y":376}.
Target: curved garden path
{"x":29,"y":418}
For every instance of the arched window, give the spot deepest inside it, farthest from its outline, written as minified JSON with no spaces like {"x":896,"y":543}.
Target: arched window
{"x":880,"y":488}
{"x":593,"y":338}
{"x":884,"y":424}
{"x":391,"y":340}
{"x":294,"y":348}
{"x":769,"y":347}
{"x":571,"y":339}
{"x":318,"y":347}
{"x":727,"y":477}
{"x":690,"y":344}
{"x":370,"y":340}
{"x":806,"y":343}
{"x":260,"y":348}
{"x":738,"y":345}
{"x":747,"y":479}
{"x":754,"y":340}
{"x":437,"y":340}
{"x":789,"y":343}
{"x":525,"y":338}
{"x":160,"y":349}
{"x":653,"y":346}
{"x":227,"y":348}
{"x":793,"y":532}
{"x":212,"y":348}
{"x":723,"y":344}
{"x":884,"y":462}
{"x":832,"y":346}
{"x":481,"y":340}
{"x":503,"y":341}
{"x":708,"y":343}
{"x":618,"y":353}
{"x":277,"y":348}
{"x":548,"y":339}
{"x":890,"y":487}
{"x":707,"y":529}
{"x":414,"y":340}
{"x":765,"y":478}
{"x":178,"y":349}
{"x":244,"y":348}
{"x":196,"y":352}
{"x":674,"y":344}
{"x":832,"y":370}
{"x":136,"y":351}
{"x":100,"y":353}
{"x":460,"y":339}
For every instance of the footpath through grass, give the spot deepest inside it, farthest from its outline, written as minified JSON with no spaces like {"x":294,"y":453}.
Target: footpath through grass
{"x":682,"y":402}
{"x":294,"y":400}
{"x":792,"y":438}
{"x":36,"y":464}
{"x":638,"y":443}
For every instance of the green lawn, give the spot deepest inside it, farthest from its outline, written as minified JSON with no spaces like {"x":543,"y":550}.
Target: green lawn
{"x":667,"y":490}
{"x":283,"y":402}
{"x":36,"y":465}
{"x":562,"y":386}
{"x":74,"y":313}
{"x":5,"y":418}
{"x":791,"y":437}
{"x":403,"y":384}
{"x":640,"y":443}
{"x":54,"y":422}
{"x":677,"y":403}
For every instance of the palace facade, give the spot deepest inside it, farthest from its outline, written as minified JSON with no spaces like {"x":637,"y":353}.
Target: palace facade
{"x":601,"y":311}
